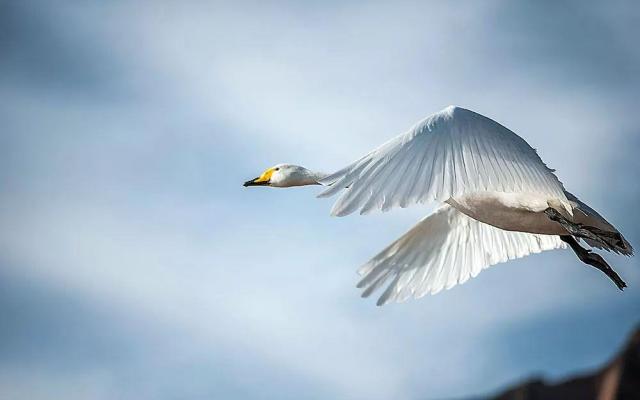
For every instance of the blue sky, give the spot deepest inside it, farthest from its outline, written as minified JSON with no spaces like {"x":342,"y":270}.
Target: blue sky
{"x":134,"y":265}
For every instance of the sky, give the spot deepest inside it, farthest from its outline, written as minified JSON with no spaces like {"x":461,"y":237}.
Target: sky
{"x":134,"y":265}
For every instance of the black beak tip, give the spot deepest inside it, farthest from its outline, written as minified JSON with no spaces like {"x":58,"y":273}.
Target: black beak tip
{"x":254,"y":183}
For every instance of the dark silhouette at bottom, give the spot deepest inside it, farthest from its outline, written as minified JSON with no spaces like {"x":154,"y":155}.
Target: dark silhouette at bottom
{"x":619,"y":379}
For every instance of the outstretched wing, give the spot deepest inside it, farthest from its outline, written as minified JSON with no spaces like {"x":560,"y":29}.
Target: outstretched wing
{"x":445,"y":249}
{"x":452,"y":152}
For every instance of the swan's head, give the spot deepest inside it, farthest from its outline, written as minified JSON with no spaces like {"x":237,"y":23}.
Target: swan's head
{"x":284,"y":175}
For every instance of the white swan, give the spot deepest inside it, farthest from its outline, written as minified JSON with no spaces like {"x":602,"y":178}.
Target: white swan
{"x":500,"y":202}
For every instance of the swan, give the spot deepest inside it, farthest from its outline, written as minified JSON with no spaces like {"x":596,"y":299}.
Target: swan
{"x":497,"y":199}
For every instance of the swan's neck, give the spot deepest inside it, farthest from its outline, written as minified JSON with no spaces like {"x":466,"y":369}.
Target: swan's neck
{"x":309,"y":178}
{"x":316,"y":176}
{"x":296,"y":176}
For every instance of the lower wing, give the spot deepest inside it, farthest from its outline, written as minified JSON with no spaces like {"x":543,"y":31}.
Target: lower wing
{"x":444,"y":249}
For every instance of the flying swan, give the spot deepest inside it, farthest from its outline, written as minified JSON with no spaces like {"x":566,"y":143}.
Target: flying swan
{"x":499,"y":202}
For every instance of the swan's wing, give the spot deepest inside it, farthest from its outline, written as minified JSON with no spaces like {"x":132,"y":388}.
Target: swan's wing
{"x":445,"y":249}
{"x":586,"y":215}
{"x":452,"y":152}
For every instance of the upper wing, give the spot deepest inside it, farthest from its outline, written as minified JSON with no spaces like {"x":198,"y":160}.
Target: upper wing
{"x":444,"y":249}
{"x":452,"y":152}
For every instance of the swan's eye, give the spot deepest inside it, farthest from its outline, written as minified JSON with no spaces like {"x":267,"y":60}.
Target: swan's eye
{"x":277,"y":169}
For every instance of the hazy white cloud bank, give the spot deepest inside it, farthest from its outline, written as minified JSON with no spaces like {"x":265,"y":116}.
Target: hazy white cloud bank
{"x":127,"y":236}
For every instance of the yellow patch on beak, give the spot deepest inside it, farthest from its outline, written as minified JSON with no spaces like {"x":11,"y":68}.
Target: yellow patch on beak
{"x":266,"y":175}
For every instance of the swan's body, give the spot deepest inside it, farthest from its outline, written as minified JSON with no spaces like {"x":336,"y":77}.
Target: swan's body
{"x":500,"y":202}
{"x":524,"y":212}
{"x":521,"y":212}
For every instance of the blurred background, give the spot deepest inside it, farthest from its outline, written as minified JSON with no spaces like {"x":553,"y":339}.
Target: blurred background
{"x":134,"y":265}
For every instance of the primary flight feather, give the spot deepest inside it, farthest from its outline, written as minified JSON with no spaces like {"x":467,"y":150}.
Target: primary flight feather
{"x":500,"y":202}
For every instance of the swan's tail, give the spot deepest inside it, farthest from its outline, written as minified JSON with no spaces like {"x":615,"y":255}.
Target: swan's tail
{"x":606,"y":236}
{"x":610,"y":241}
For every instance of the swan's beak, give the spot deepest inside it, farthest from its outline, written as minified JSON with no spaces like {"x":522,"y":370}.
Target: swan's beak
{"x":255,"y":182}
{"x":262,"y":180}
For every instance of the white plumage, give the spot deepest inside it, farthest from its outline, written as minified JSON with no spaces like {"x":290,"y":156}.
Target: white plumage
{"x":448,"y":154}
{"x":497,"y":195}
{"x":444,"y":249}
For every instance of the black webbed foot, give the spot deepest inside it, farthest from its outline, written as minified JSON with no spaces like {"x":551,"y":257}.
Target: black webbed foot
{"x":595,"y":260}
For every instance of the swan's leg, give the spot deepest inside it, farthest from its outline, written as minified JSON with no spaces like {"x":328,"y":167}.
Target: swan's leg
{"x":593,"y":259}
{"x":610,"y":240}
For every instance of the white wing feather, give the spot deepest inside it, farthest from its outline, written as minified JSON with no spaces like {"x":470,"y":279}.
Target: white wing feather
{"x":444,"y":249}
{"x":450,"y":153}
